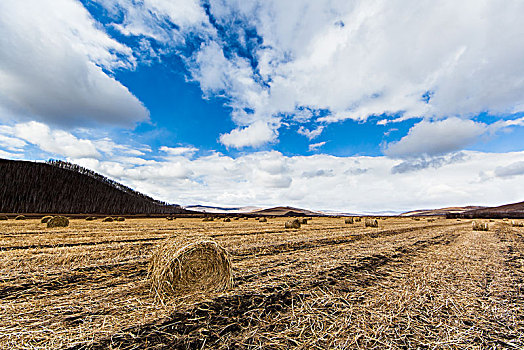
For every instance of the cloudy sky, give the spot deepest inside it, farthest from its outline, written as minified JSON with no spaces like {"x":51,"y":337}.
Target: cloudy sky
{"x":350,"y":105}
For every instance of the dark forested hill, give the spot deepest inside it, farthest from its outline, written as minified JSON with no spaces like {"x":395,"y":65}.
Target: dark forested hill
{"x":61,"y":187}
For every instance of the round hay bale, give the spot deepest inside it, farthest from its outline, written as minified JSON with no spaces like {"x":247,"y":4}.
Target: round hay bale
{"x":120,"y":218}
{"x":479,"y":226}
{"x":20,"y":217}
{"x":246,"y":218}
{"x":108,"y":219}
{"x":348,"y":221}
{"x":227,"y":220}
{"x":262,"y":220}
{"x":292,"y":224}
{"x":169,"y":218}
{"x":91,"y":218}
{"x":303,"y":221}
{"x":236,"y":218}
{"x":357,"y":219}
{"x":3,"y":217}
{"x":208,"y":218}
{"x":371,"y":223}
{"x":45,"y":219}
{"x":181,"y":267}
{"x":58,"y":221}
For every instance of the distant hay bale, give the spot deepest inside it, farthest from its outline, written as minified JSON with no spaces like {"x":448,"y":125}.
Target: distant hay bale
{"x":357,"y":219}
{"x":169,"y":218}
{"x":45,"y":219}
{"x":517,"y":223}
{"x":91,"y":218}
{"x":292,"y":224}
{"x":120,"y":218}
{"x":227,"y":220}
{"x":58,"y":221}
{"x":480,"y":226}
{"x":303,"y":221}
{"x":108,"y":219}
{"x":20,"y":217}
{"x":246,"y":218}
{"x":236,"y":218}
{"x":257,"y":218}
{"x":262,"y":220}
{"x":371,"y":223}
{"x":182,"y":267}
{"x":431,"y":220}
{"x":208,"y":218}
{"x":3,"y":217}
{"x":348,"y":221}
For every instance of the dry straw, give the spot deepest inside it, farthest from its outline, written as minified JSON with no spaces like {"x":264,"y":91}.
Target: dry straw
{"x":183,"y":266}
{"x":348,"y":220}
{"x":20,"y":217}
{"x":58,"y":221}
{"x":371,"y":223}
{"x":480,"y":226}
{"x":45,"y":219}
{"x":108,"y":219}
{"x":292,"y":224}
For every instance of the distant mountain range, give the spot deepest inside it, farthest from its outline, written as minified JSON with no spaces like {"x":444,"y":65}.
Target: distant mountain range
{"x":61,"y":187}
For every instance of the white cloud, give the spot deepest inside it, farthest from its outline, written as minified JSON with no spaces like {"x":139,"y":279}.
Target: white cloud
{"x":52,"y":66}
{"x":316,"y":146}
{"x":436,"y":138}
{"x":254,"y":135}
{"x":179,"y":151}
{"x":311,"y":134}
{"x":355,"y":59}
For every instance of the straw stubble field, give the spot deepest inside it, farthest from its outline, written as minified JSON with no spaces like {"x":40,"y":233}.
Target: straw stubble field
{"x":405,"y":284}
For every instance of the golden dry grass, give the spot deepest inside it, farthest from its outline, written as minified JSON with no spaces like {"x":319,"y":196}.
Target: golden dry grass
{"x":407,"y":284}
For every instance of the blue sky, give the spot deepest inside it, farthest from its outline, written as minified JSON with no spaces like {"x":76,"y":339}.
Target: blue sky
{"x":320,"y":104}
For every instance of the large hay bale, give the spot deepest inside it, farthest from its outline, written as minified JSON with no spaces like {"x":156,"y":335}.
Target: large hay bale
{"x":108,"y":219}
{"x":3,"y":217}
{"x":262,"y":220}
{"x":120,"y":218}
{"x":20,"y":217}
{"x":348,"y":220}
{"x":45,"y":219}
{"x":181,"y":267}
{"x":371,"y":223}
{"x":479,"y":226}
{"x":58,"y":221}
{"x":292,"y":224}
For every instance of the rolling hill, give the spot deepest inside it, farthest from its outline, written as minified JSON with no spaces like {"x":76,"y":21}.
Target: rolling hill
{"x":61,"y":187}
{"x":511,"y":211}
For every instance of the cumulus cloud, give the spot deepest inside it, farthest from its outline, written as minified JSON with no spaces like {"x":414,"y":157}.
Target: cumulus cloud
{"x":54,"y":67}
{"x":433,"y":138}
{"x":274,"y":59}
{"x":179,"y":151}
{"x":254,"y":135}
{"x":311,"y":134}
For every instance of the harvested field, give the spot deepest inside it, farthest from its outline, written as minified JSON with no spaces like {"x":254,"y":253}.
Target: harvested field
{"x":405,"y":284}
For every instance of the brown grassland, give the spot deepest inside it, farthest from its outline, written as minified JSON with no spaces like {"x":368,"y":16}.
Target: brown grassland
{"x":405,"y":284}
